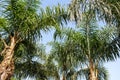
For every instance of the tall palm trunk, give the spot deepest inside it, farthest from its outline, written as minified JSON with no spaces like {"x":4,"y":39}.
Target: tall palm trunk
{"x":64,"y":76}
{"x":92,"y":75}
{"x":93,"y":72}
{"x":7,"y":65}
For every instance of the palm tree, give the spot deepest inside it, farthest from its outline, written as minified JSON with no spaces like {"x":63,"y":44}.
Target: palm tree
{"x":72,"y":50}
{"x":105,"y":10}
{"x":22,"y":23}
{"x":61,"y":54}
{"x":95,"y":47}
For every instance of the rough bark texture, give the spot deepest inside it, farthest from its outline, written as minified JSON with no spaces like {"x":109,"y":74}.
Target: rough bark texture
{"x":93,"y":75}
{"x":7,"y":65}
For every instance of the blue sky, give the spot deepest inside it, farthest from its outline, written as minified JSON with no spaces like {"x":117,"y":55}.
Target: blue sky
{"x":112,"y":67}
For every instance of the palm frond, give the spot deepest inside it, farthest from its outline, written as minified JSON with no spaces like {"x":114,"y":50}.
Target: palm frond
{"x":108,"y":10}
{"x":102,"y":73}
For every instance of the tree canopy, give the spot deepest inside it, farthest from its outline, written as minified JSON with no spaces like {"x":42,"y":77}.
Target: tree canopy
{"x":76,"y":53}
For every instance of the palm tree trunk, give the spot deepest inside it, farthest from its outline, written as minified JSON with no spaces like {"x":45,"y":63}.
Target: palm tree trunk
{"x":93,"y":75}
{"x":74,"y":77}
{"x":96,"y":71}
{"x":7,"y":65}
{"x":64,"y":76}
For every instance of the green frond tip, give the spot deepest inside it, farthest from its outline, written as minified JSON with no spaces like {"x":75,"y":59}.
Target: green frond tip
{"x":3,"y":22}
